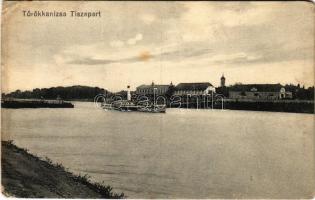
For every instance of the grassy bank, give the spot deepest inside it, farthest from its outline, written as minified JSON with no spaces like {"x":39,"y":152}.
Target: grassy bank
{"x":27,"y":176}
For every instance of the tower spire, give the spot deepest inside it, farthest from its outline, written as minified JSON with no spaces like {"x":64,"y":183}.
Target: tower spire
{"x":222,"y":80}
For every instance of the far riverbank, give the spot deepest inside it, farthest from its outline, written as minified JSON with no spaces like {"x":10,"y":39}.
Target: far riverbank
{"x":290,"y":106}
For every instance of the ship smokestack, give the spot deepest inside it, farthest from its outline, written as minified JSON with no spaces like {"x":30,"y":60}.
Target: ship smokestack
{"x":128,"y":93}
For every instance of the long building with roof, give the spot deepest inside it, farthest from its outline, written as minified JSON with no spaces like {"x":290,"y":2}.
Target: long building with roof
{"x":153,"y":89}
{"x":259,"y":91}
{"x":193,"y":88}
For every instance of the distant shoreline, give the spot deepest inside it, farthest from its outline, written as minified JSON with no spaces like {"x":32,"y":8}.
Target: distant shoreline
{"x":286,"y":106}
{"x":27,"y":176}
{"x":35,"y":103}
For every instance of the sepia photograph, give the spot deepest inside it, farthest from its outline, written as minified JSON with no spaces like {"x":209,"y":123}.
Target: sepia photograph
{"x":157,"y":99}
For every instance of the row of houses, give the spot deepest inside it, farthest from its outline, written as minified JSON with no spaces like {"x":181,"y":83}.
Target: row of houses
{"x":254,"y":91}
{"x":259,"y":91}
{"x":238,"y":91}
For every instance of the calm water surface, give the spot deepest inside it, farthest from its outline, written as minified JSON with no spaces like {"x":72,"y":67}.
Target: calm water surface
{"x":180,"y":154}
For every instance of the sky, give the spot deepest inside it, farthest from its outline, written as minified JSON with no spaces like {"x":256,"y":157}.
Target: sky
{"x":135,"y":43}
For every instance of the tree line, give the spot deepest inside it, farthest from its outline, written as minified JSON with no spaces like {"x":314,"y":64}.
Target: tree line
{"x":66,"y":93}
{"x":88,"y":93}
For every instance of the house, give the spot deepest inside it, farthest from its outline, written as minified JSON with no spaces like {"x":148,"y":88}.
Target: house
{"x":259,"y":91}
{"x":153,"y":89}
{"x":193,"y":88}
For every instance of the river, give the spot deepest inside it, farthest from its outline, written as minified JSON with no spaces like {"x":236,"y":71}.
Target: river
{"x":183,"y":153}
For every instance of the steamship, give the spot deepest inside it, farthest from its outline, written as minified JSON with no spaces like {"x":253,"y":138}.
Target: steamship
{"x":129,"y":106}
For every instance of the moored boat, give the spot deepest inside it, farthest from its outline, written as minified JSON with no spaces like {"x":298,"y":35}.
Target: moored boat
{"x":153,"y":109}
{"x":128,"y":106}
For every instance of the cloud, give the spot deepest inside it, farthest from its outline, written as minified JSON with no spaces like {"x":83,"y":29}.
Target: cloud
{"x":135,"y":54}
{"x":141,"y":56}
{"x":240,"y":57}
{"x":96,"y":61}
{"x":90,"y":61}
{"x":147,"y":18}
{"x":117,"y":43}
{"x":134,"y":40}
{"x":131,"y":41}
{"x":190,"y":53}
{"x":211,"y":21}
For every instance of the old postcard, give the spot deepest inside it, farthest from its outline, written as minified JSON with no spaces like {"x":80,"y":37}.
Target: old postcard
{"x":157,"y":99}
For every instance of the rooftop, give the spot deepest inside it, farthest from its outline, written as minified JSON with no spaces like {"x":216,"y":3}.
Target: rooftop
{"x":152,"y":86}
{"x":193,"y":86}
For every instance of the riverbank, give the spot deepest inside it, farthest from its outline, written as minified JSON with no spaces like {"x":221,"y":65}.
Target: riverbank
{"x":35,"y":103}
{"x":27,"y":176}
{"x":291,"y":106}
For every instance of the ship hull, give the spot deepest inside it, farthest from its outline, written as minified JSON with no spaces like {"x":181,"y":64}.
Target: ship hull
{"x":135,"y":108}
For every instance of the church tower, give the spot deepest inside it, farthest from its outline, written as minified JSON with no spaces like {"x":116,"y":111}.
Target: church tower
{"x":222,"y":81}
